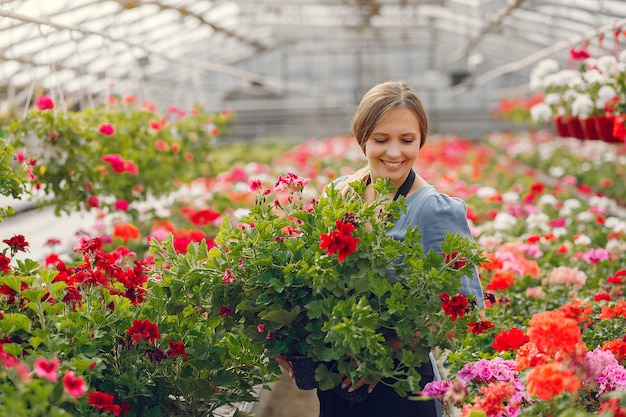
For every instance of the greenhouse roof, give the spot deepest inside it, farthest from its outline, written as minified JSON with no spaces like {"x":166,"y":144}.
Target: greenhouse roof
{"x":84,"y":47}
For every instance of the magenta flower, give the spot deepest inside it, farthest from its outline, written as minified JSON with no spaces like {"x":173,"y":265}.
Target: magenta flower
{"x":74,"y":385}
{"x":47,"y":369}
{"x":106,"y":129}
{"x":44,"y":103}
{"x":121,"y":205}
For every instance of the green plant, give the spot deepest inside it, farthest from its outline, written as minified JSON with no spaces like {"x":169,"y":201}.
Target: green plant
{"x":136,"y":339}
{"x":12,"y":178}
{"x":112,"y":153}
{"x":322,"y":278}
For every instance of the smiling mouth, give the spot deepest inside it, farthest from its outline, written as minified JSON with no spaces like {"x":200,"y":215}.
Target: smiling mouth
{"x":392,"y":164}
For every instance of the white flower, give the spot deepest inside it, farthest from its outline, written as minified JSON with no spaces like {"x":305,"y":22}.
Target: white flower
{"x":541,"y":112}
{"x":582,"y":239}
{"x":504,"y":221}
{"x":541,"y":71}
{"x":510,"y":197}
{"x":556,"y":171}
{"x":486,"y":192}
{"x":552,"y":99}
{"x":583,"y":106}
{"x":538,"y":221}
{"x":608,"y":65}
{"x":605,"y":93}
{"x":585,"y":216}
{"x":548,"y":200}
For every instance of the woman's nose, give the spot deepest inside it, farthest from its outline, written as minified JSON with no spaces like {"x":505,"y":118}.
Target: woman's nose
{"x":393,"y":149}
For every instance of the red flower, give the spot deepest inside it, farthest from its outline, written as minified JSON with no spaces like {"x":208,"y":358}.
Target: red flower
{"x":509,"y":340}
{"x":5,"y":264}
{"x":203,"y":217}
{"x":93,"y":201}
{"x":143,"y":329}
{"x":454,"y":307}
{"x":602,"y":297}
{"x":456,"y":261}
{"x":340,"y":241}
{"x":103,"y":401}
{"x":17,"y":243}
{"x":177,"y":349}
{"x":478,"y":327}
{"x":225,"y":311}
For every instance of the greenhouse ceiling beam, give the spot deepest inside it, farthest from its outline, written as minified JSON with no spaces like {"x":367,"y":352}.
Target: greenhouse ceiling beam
{"x":478,"y":37}
{"x":186,"y":12}
{"x":187,"y":62}
{"x":533,"y":58}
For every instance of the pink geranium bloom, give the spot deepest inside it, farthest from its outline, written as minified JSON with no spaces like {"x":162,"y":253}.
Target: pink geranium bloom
{"x":44,"y":103}
{"x":106,"y":129}
{"x":121,"y":205}
{"x":47,"y":369}
{"x":74,"y":385}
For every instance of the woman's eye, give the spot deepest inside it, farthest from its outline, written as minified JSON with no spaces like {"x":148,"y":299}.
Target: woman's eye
{"x":379,"y":140}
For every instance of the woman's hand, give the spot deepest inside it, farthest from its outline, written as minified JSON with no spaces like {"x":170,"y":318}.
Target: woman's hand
{"x":285,"y":365}
{"x":347,"y":383}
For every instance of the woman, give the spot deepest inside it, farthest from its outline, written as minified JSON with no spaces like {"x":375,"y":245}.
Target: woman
{"x":391,"y":125}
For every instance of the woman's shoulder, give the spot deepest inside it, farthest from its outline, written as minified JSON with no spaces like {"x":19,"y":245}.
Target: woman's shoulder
{"x":428,"y":201}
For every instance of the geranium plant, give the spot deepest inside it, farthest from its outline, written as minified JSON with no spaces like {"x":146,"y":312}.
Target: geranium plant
{"x":114,"y":154}
{"x":320,"y":277}
{"x":137,"y":342}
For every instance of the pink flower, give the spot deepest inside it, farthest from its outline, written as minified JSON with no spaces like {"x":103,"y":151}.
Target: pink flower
{"x":47,"y":369}
{"x":106,"y":129}
{"x":595,"y":256}
{"x":557,"y":223}
{"x":75,"y":386}
{"x":121,"y":205}
{"x":44,"y":103}
{"x":535,"y":292}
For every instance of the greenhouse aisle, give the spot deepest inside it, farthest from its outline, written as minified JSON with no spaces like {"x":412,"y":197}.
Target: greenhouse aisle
{"x":40,"y":224}
{"x":286,"y":400}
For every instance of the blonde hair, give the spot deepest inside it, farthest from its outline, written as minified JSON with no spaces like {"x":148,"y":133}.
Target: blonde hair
{"x":375,"y":105}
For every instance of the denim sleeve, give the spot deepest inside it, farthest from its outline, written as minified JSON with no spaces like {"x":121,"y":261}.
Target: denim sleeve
{"x":441,"y":214}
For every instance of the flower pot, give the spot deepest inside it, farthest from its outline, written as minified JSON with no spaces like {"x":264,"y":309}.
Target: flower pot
{"x":561,"y":126}
{"x":589,"y":128}
{"x":304,"y":371}
{"x":619,"y":129}
{"x":604,"y":126}
{"x":575,"y":128}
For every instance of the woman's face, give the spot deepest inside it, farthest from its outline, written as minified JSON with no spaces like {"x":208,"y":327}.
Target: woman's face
{"x":392,"y":148}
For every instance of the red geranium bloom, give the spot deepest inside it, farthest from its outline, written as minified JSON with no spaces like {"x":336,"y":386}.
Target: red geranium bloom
{"x":340,"y":241}
{"x":143,"y":329}
{"x":459,"y":261}
{"x":177,"y":349}
{"x":5,"y":264}
{"x":509,"y":340}
{"x":103,"y":401}
{"x":480,"y":326}
{"x":455,"y":306}
{"x":17,"y":243}
{"x":203,"y":217}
